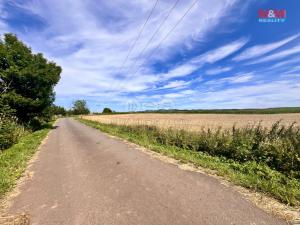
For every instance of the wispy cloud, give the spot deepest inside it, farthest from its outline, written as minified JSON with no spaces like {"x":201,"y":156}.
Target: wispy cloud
{"x":260,"y":50}
{"x":253,"y":95}
{"x":218,"y":70}
{"x":211,"y":56}
{"x":90,"y":40}
{"x":278,"y":55}
{"x":246,"y":96}
{"x":177,"y":84}
{"x":177,"y":95}
{"x":236,"y":79}
{"x":221,"y":52}
{"x":286,"y":62}
{"x":181,"y":71}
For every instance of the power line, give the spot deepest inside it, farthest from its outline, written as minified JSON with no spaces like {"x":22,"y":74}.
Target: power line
{"x":156,"y":31}
{"x":139,"y":35}
{"x":170,"y":31}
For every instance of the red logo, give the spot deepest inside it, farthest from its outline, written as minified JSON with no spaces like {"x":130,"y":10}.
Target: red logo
{"x":272,"y":13}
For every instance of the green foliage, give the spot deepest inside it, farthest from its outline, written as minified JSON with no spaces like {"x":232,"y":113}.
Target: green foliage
{"x":80,"y":108}
{"x":10,"y":131}
{"x":27,"y":79}
{"x":13,"y":161}
{"x":107,"y":111}
{"x":253,"y":157}
{"x":58,"y":110}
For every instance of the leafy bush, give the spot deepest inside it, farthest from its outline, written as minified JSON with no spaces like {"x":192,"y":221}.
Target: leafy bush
{"x":10,"y":131}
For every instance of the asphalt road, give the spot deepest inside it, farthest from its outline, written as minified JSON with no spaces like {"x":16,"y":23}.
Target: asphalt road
{"x":82,"y":176}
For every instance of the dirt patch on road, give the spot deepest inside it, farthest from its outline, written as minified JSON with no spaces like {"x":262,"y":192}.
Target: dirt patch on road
{"x":23,"y":219}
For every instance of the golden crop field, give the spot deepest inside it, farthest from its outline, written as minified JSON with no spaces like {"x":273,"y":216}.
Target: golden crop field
{"x":195,"y":122}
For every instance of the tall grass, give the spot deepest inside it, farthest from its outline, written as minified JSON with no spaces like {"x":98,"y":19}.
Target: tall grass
{"x":254,"y":157}
{"x":278,"y":147}
{"x":13,"y":161}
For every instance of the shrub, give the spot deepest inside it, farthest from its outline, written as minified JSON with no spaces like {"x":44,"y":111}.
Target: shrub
{"x":10,"y":131}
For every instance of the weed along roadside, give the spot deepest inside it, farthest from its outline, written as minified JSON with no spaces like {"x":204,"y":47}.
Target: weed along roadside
{"x":13,"y":161}
{"x":252,"y":157}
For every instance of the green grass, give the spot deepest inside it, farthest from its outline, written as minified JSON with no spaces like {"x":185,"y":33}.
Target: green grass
{"x":255,"y":175}
{"x":13,"y":161}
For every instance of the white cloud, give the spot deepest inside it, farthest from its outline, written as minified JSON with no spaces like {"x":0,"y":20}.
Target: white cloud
{"x":282,"y":92}
{"x":236,"y":79}
{"x":104,"y":30}
{"x":180,"y":71}
{"x":240,"y":78}
{"x":177,"y":95}
{"x":221,"y":52}
{"x":211,"y":56}
{"x":177,"y":84}
{"x":269,"y":94}
{"x":293,"y":69}
{"x":218,"y":70}
{"x":285,"y":63}
{"x":259,"y":50}
{"x":90,"y":40}
{"x":278,"y":55}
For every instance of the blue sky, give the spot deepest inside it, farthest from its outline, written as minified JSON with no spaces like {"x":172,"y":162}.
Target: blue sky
{"x":219,"y":56}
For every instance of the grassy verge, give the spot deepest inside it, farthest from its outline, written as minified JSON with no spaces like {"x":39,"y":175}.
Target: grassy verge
{"x":13,"y":161}
{"x":254,"y":175}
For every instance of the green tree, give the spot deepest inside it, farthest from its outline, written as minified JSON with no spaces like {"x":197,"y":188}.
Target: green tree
{"x":26,"y":79}
{"x":80,"y":107}
{"x":57,"y":110}
{"x":107,"y":111}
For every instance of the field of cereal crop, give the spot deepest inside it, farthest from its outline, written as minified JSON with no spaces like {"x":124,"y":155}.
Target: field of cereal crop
{"x":195,"y":122}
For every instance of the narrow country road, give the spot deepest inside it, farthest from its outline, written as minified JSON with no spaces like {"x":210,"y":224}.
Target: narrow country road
{"x":82,"y":176}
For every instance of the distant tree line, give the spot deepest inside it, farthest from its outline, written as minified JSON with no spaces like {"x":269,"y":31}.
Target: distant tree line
{"x":226,"y":111}
{"x":79,"y":108}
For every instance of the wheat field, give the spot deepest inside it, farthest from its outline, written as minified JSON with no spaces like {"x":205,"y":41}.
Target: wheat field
{"x":196,"y":122}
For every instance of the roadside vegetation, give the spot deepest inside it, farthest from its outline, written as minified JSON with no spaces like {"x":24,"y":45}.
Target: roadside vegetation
{"x":261,"y":159}
{"x":27,"y":81}
{"x":13,"y":161}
